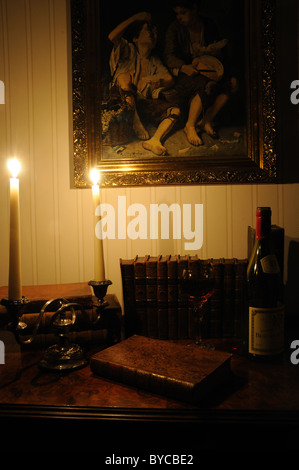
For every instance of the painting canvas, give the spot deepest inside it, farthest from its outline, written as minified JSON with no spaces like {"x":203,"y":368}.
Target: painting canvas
{"x":143,"y":117}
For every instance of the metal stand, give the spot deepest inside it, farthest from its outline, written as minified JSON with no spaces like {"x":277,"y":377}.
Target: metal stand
{"x":64,"y":355}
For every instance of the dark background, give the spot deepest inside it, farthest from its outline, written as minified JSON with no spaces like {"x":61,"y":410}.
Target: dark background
{"x":287,"y":71}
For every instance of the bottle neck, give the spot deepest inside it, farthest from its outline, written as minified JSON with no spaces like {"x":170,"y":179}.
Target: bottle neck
{"x":263,"y":225}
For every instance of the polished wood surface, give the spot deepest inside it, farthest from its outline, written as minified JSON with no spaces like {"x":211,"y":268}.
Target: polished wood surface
{"x":261,"y":399}
{"x":255,"y":395}
{"x":252,"y":387}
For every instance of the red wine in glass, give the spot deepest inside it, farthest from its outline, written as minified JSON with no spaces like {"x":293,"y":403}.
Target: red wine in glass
{"x":198,"y":290}
{"x":198,"y":287}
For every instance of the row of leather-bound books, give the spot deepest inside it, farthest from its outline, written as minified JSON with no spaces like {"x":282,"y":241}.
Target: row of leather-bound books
{"x":154,"y":305}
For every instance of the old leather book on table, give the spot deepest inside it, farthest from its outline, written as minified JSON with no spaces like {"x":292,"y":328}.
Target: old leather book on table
{"x":182,"y":371}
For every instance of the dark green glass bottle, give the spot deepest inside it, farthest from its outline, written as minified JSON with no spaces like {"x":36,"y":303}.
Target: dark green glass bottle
{"x":266,"y":312}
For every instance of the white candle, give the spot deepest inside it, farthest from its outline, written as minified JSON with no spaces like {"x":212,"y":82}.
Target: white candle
{"x":14,"y":282}
{"x":99,"y":267}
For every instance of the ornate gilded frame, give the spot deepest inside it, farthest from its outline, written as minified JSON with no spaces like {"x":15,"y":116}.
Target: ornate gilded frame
{"x":259,"y":165}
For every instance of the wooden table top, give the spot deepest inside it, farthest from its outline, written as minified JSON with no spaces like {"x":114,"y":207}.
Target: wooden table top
{"x":261,"y":394}
{"x":253,"y":387}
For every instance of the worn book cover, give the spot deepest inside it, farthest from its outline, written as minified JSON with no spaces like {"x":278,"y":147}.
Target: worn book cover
{"x":178,"y":370}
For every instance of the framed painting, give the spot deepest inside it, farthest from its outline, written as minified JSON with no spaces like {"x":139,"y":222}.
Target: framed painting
{"x":133,"y":96}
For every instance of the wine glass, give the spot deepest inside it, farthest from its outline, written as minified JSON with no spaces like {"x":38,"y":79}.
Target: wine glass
{"x":199,"y":286}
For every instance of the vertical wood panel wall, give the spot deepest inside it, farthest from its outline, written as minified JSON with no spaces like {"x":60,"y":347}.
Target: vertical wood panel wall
{"x":56,"y":221}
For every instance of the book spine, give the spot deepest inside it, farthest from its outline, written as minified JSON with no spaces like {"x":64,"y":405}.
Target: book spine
{"x":127,"y":276}
{"x":162,"y":296}
{"x":45,"y":325}
{"x":151,"y":382}
{"x":228,"y":297}
{"x":240,"y":268}
{"x":83,"y":338}
{"x":85,"y":320}
{"x":151,"y":296}
{"x":140,"y":295}
{"x":216,"y":301}
{"x":183,"y":305}
{"x":162,"y":284}
{"x":194,"y":267}
{"x":35,"y":306}
{"x":172,"y":297}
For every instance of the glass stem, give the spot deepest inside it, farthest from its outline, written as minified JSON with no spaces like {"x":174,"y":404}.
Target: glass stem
{"x":198,"y":314}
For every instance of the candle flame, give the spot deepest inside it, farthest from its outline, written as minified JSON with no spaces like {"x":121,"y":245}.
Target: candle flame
{"x":94,"y":176}
{"x":14,"y":167}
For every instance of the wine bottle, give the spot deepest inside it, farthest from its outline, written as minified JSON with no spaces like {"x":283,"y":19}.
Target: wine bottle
{"x":266,"y":311}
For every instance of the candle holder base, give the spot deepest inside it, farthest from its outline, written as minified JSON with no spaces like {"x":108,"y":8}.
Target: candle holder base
{"x":63,"y":358}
